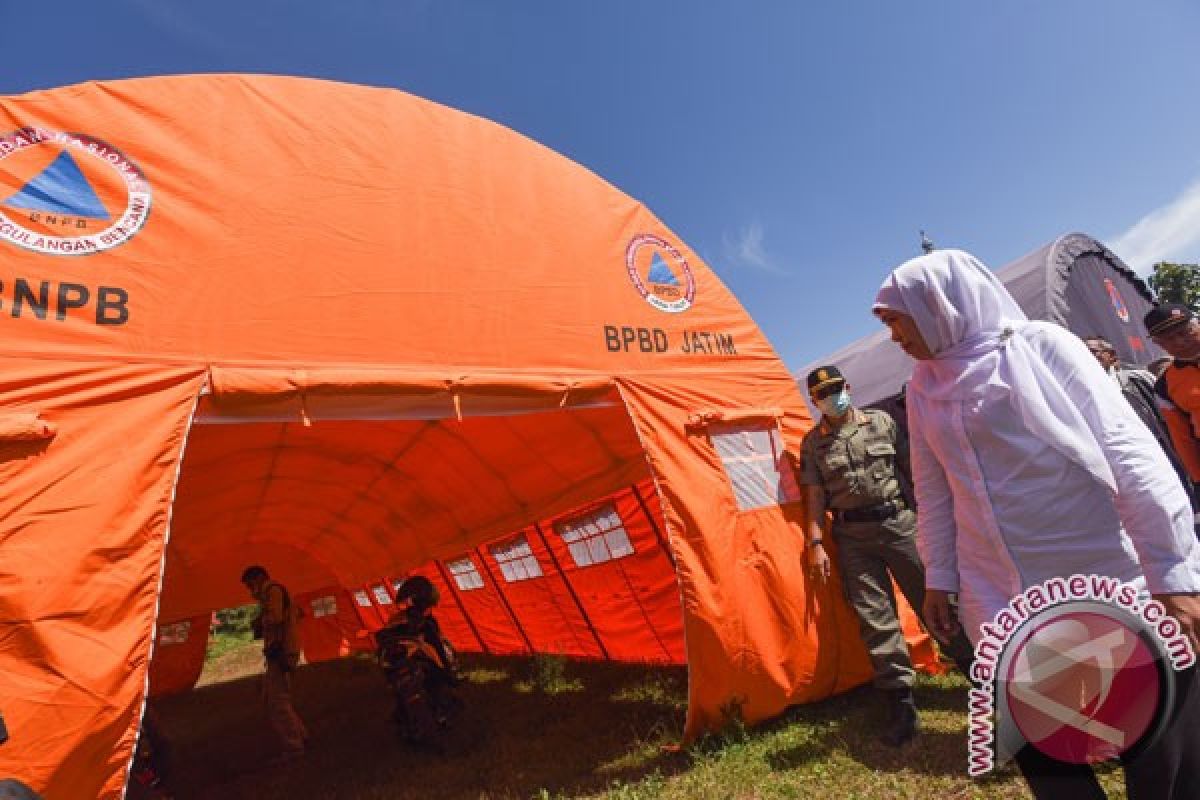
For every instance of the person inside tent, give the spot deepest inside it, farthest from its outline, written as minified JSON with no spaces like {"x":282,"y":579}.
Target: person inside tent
{"x":276,"y":624}
{"x":1030,"y":466}
{"x":418,"y":597}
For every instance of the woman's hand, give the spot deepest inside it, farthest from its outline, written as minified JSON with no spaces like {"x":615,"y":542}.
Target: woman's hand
{"x":939,"y":616}
{"x":1186,"y":609}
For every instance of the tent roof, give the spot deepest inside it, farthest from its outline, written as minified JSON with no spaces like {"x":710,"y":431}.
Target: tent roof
{"x":274,"y":222}
{"x":876,"y":367}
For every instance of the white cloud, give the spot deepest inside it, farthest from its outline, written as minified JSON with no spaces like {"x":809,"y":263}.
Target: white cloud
{"x":1170,"y":232}
{"x":746,"y":248}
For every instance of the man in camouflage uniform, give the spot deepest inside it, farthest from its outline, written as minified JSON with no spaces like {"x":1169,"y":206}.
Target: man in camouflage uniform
{"x":851,"y":465}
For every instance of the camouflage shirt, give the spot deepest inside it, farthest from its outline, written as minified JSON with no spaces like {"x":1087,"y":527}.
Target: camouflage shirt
{"x":858,"y":464}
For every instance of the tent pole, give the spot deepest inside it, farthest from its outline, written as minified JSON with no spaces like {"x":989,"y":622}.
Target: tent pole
{"x":449,"y":581}
{"x":662,"y":542}
{"x":504,"y":599}
{"x":567,"y":582}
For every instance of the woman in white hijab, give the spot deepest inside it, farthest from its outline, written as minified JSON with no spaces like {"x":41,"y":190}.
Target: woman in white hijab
{"x":1029,"y":465}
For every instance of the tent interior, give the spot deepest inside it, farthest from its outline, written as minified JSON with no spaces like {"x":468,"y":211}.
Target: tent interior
{"x":541,"y":527}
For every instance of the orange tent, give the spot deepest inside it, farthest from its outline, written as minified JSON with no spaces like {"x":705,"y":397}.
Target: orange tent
{"x":392,"y":337}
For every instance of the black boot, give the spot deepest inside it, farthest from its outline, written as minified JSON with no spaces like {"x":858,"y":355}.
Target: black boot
{"x":903,"y":723}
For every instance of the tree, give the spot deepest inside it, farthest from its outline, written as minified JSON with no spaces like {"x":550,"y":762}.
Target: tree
{"x":235,"y":620}
{"x":1177,"y":283}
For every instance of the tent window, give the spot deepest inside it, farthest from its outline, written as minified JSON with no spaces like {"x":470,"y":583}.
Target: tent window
{"x":465,"y":574}
{"x":753,"y":457}
{"x":381,"y":595}
{"x":324,"y":606}
{"x":596,"y":537}
{"x":362,"y":598}
{"x":175,"y":633}
{"x":516,"y":560}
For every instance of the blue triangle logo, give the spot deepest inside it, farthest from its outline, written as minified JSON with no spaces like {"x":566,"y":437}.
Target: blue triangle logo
{"x":661,"y":273}
{"x":60,"y":189}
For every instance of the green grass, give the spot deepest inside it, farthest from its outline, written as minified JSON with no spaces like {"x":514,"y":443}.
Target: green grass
{"x":554,"y":729}
{"x":221,"y":644}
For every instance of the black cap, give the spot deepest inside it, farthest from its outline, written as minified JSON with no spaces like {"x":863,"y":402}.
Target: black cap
{"x":1161,"y":319}
{"x":823,"y":377}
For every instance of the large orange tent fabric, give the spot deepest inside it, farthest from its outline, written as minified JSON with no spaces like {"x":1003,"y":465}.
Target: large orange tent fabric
{"x":388,"y":333}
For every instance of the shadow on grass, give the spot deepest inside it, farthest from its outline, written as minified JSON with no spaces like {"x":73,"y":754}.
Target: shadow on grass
{"x":596,"y":724}
{"x":565,"y":728}
{"x":851,"y":724}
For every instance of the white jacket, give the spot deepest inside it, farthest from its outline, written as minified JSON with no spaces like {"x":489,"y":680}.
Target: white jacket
{"x":1001,"y":510}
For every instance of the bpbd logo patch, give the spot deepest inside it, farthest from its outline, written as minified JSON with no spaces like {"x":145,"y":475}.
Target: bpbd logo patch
{"x":68,"y":193}
{"x":660,"y":273}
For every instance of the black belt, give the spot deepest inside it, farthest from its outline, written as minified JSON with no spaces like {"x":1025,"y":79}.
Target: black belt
{"x":876,"y":513}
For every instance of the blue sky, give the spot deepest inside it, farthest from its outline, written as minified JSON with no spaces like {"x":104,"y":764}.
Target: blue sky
{"x":798,"y":147}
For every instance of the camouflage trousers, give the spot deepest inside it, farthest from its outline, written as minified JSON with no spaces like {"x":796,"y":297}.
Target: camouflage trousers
{"x":872,"y":555}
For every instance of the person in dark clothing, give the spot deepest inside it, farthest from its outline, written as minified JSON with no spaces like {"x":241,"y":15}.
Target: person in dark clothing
{"x":1158,"y":366}
{"x":421,"y":597}
{"x":1138,"y":387}
{"x":13,"y":789}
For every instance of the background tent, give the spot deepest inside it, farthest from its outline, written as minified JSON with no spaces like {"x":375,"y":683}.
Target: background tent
{"x":1074,"y":281}
{"x":392,"y":337}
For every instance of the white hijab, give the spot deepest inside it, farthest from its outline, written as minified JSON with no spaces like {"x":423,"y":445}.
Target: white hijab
{"x":976,"y":332}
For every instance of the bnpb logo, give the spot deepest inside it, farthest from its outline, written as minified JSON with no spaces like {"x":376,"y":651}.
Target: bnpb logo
{"x":660,"y":273}
{"x":68,"y":193}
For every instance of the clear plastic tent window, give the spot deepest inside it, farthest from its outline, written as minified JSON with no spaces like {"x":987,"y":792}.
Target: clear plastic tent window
{"x":175,"y":633}
{"x":381,"y":595}
{"x":596,"y":537}
{"x":362,"y":598}
{"x":324,"y":606}
{"x":516,"y":560}
{"x":466,"y":576}
{"x":753,"y":457}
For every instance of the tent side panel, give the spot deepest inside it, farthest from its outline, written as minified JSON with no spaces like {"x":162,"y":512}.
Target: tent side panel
{"x":632,"y":600}
{"x":85,"y":519}
{"x":369,"y":613}
{"x":451,"y":612}
{"x":760,"y":636}
{"x":487,"y":610}
{"x":179,"y":655}
{"x":330,"y":628}
{"x":544,"y":606}
{"x":624,"y":609}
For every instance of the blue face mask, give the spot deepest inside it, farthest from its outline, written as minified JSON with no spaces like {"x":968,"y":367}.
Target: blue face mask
{"x":835,"y":405}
